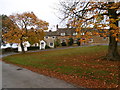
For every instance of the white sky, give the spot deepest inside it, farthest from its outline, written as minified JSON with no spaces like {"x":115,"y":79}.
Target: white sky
{"x":43,"y":9}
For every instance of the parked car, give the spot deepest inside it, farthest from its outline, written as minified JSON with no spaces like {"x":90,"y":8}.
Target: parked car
{"x":4,"y":46}
{"x":8,"y":45}
{"x":14,"y":45}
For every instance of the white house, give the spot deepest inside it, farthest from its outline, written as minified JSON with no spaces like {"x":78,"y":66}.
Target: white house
{"x":42,"y":44}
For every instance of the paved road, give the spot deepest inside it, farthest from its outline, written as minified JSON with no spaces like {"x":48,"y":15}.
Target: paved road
{"x":17,"y":77}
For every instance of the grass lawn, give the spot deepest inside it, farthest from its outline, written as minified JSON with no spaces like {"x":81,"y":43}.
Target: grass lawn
{"x":80,"y":66}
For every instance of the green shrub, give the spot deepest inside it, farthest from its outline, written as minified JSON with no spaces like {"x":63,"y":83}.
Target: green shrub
{"x":7,"y":50}
{"x":47,"y":47}
{"x":70,"y":43}
{"x":78,"y":42}
{"x":15,"y":49}
{"x":57,"y":43}
{"x":33,"y":48}
{"x":63,"y":44}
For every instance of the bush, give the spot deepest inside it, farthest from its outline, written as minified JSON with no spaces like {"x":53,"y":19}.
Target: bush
{"x":78,"y":42}
{"x":70,"y":43}
{"x":7,"y":50}
{"x":15,"y":49}
{"x":33,"y":48}
{"x":47,"y":47}
{"x":63,"y":44}
{"x":56,"y":43}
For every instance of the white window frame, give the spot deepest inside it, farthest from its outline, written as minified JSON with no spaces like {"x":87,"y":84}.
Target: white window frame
{"x":104,"y":38}
{"x":82,"y":33}
{"x":62,"y":34}
{"x":75,"y":34}
{"x":50,"y":44}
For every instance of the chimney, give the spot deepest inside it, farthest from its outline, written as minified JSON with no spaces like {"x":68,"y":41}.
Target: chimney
{"x":57,"y":26}
{"x":50,"y":30}
{"x":67,"y":25}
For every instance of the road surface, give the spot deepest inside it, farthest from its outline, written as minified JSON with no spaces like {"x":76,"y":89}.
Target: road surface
{"x":17,"y":77}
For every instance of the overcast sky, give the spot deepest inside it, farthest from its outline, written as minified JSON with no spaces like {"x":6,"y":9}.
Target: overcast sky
{"x":42,"y":8}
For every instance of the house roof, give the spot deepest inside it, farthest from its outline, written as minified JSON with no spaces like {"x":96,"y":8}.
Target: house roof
{"x":50,"y":33}
{"x":67,"y":31}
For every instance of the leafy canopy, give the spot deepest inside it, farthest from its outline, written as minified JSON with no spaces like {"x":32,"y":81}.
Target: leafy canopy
{"x":27,"y":27}
{"x":92,"y":16}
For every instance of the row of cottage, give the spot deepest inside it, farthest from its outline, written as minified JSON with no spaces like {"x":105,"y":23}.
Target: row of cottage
{"x":63,"y":35}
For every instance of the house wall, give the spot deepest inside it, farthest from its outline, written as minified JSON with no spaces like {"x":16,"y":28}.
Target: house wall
{"x":100,"y":40}
{"x":42,"y":44}
{"x":49,"y":40}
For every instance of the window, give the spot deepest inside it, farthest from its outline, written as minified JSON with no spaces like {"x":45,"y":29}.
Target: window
{"x":53,"y":37}
{"x":74,"y":34}
{"x":51,"y":44}
{"x":46,"y":37}
{"x":82,"y":33}
{"x":75,"y":41}
{"x":4,"y":44}
{"x":42,"y":43}
{"x":91,"y":40}
{"x":62,"y":34}
{"x":104,"y":38}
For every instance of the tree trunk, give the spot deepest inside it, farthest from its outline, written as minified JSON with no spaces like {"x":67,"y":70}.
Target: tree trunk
{"x":112,"y":48}
{"x":21,"y":44}
{"x":22,"y":47}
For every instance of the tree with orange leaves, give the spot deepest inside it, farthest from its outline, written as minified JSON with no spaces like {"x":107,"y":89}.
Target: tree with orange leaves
{"x":27,"y":28}
{"x":99,"y":16}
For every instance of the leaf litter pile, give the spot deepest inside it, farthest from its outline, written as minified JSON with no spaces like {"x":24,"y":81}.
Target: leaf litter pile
{"x":82,"y":67}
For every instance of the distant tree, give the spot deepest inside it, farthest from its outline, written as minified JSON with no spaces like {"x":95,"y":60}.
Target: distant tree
{"x":96,"y":15}
{"x":27,"y":28}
